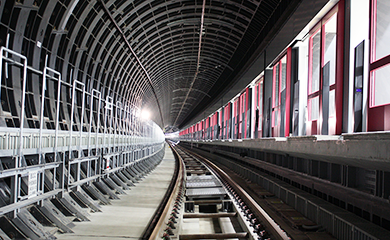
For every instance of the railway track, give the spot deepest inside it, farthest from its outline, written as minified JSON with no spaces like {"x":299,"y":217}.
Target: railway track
{"x":205,"y":203}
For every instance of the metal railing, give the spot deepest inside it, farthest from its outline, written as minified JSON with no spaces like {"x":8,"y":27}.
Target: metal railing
{"x":87,"y":151}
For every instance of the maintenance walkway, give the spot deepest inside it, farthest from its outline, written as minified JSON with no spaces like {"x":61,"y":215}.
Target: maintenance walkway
{"x":128,"y":217}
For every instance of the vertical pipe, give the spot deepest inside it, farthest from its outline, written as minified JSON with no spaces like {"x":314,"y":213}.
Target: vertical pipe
{"x":110,"y":116}
{"x":82,"y":120}
{"x":111,"y":144}
{"x":71,"y":119}
{"x":71,"y":130}
{"x":105,"y":123}
{"x":98,"y":120}
{"x":75,"y":82}
{"x":97,"y":132}
{"x":108,"y":107}
{"x":56,"y":134}
{"x":42,"y":110}
{"x":20,"y":149}
{"x":22,"y":113}
{"x":1,"y":66}
{"x":90,"y":122}
{"x":115,"y":144}
{"x":89,"y":132}
{"x":57,"y":116}
{"x":42,"y":179}
{"x":105,"y":131}
{"x":126,"y":124}
{"x":116,"y":125}
{"x":6,"y":55}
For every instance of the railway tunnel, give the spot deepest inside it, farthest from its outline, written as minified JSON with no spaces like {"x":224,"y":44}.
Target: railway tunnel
{"x":203,"y":119}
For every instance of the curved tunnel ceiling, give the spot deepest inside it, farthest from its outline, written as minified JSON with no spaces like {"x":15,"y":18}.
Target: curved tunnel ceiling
{"x":171,"y":57}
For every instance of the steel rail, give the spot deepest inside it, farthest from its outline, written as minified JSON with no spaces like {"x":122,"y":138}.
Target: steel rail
{"x":155,"y":225}
{"x":160,"y":217}
{"x":159,"y":227}
{"x":271,"y":226}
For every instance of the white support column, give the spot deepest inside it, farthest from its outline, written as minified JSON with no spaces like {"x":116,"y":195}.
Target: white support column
{"x":253,"y":111}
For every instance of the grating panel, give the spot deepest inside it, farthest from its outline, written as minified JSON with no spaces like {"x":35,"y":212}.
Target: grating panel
{"x":202,"y":182}
{"x":217,"y":192}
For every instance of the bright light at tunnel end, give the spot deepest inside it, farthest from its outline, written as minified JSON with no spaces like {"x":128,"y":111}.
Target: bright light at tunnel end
{"x":145,"y":114}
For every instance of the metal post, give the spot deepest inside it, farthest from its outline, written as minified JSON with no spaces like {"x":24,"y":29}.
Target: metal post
{"x":116,"y":124}
{"x":105,"y":123}
{"x":42,"y":110}
{"x":71,"y":120}
{"x":111,"y":118}
{"x":108,"y":107}
{"x":18,"y":160}
{"x":89,"y":132}
{"x":62,"y":179}
{"x":71,"y":131}
{"x":81,"y":120}
{"x":118,"y":128}
{"x":1,"y":64}
{"x":74,"y":87}
{"x":6,"y":55}
{"x":20,"y":147}
{"x":105,"y":130}
{"x":90,"y":120}
{"x":98,"y":121}
{"x":22,"y":111}
{"x":41,"y":180}
{"x":97,"y":132}
{"x":126,"y":124}
{"x":57,"y":117}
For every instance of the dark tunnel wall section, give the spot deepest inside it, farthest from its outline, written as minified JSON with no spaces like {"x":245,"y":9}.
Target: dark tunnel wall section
{"x":80,"y":42}
{"x":137,"y":51}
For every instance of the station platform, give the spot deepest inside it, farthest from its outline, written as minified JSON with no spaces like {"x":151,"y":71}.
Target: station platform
{"x":367,"y":150}
{"x":128,"y":217}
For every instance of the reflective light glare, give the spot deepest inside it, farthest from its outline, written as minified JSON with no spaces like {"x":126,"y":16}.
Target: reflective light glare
{"x":145,"y":114}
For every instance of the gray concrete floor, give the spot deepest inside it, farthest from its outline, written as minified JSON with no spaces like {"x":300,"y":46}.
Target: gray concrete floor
{"x":128,"y":217}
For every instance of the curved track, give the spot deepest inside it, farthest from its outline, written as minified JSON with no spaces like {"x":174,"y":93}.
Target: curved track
{"x":208,"y":204}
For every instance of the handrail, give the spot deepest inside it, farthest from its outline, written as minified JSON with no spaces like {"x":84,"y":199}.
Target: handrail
{"x":24,"y":65}
{"x":22,"y":113}
{"x":19,"y":142}
{"x":9,"y":137}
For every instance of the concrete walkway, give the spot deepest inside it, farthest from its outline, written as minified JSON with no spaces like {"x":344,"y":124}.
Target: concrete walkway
{"x":128,"y":217}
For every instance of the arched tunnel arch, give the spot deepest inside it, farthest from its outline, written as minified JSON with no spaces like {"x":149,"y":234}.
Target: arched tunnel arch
{"x":127,"y":49}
